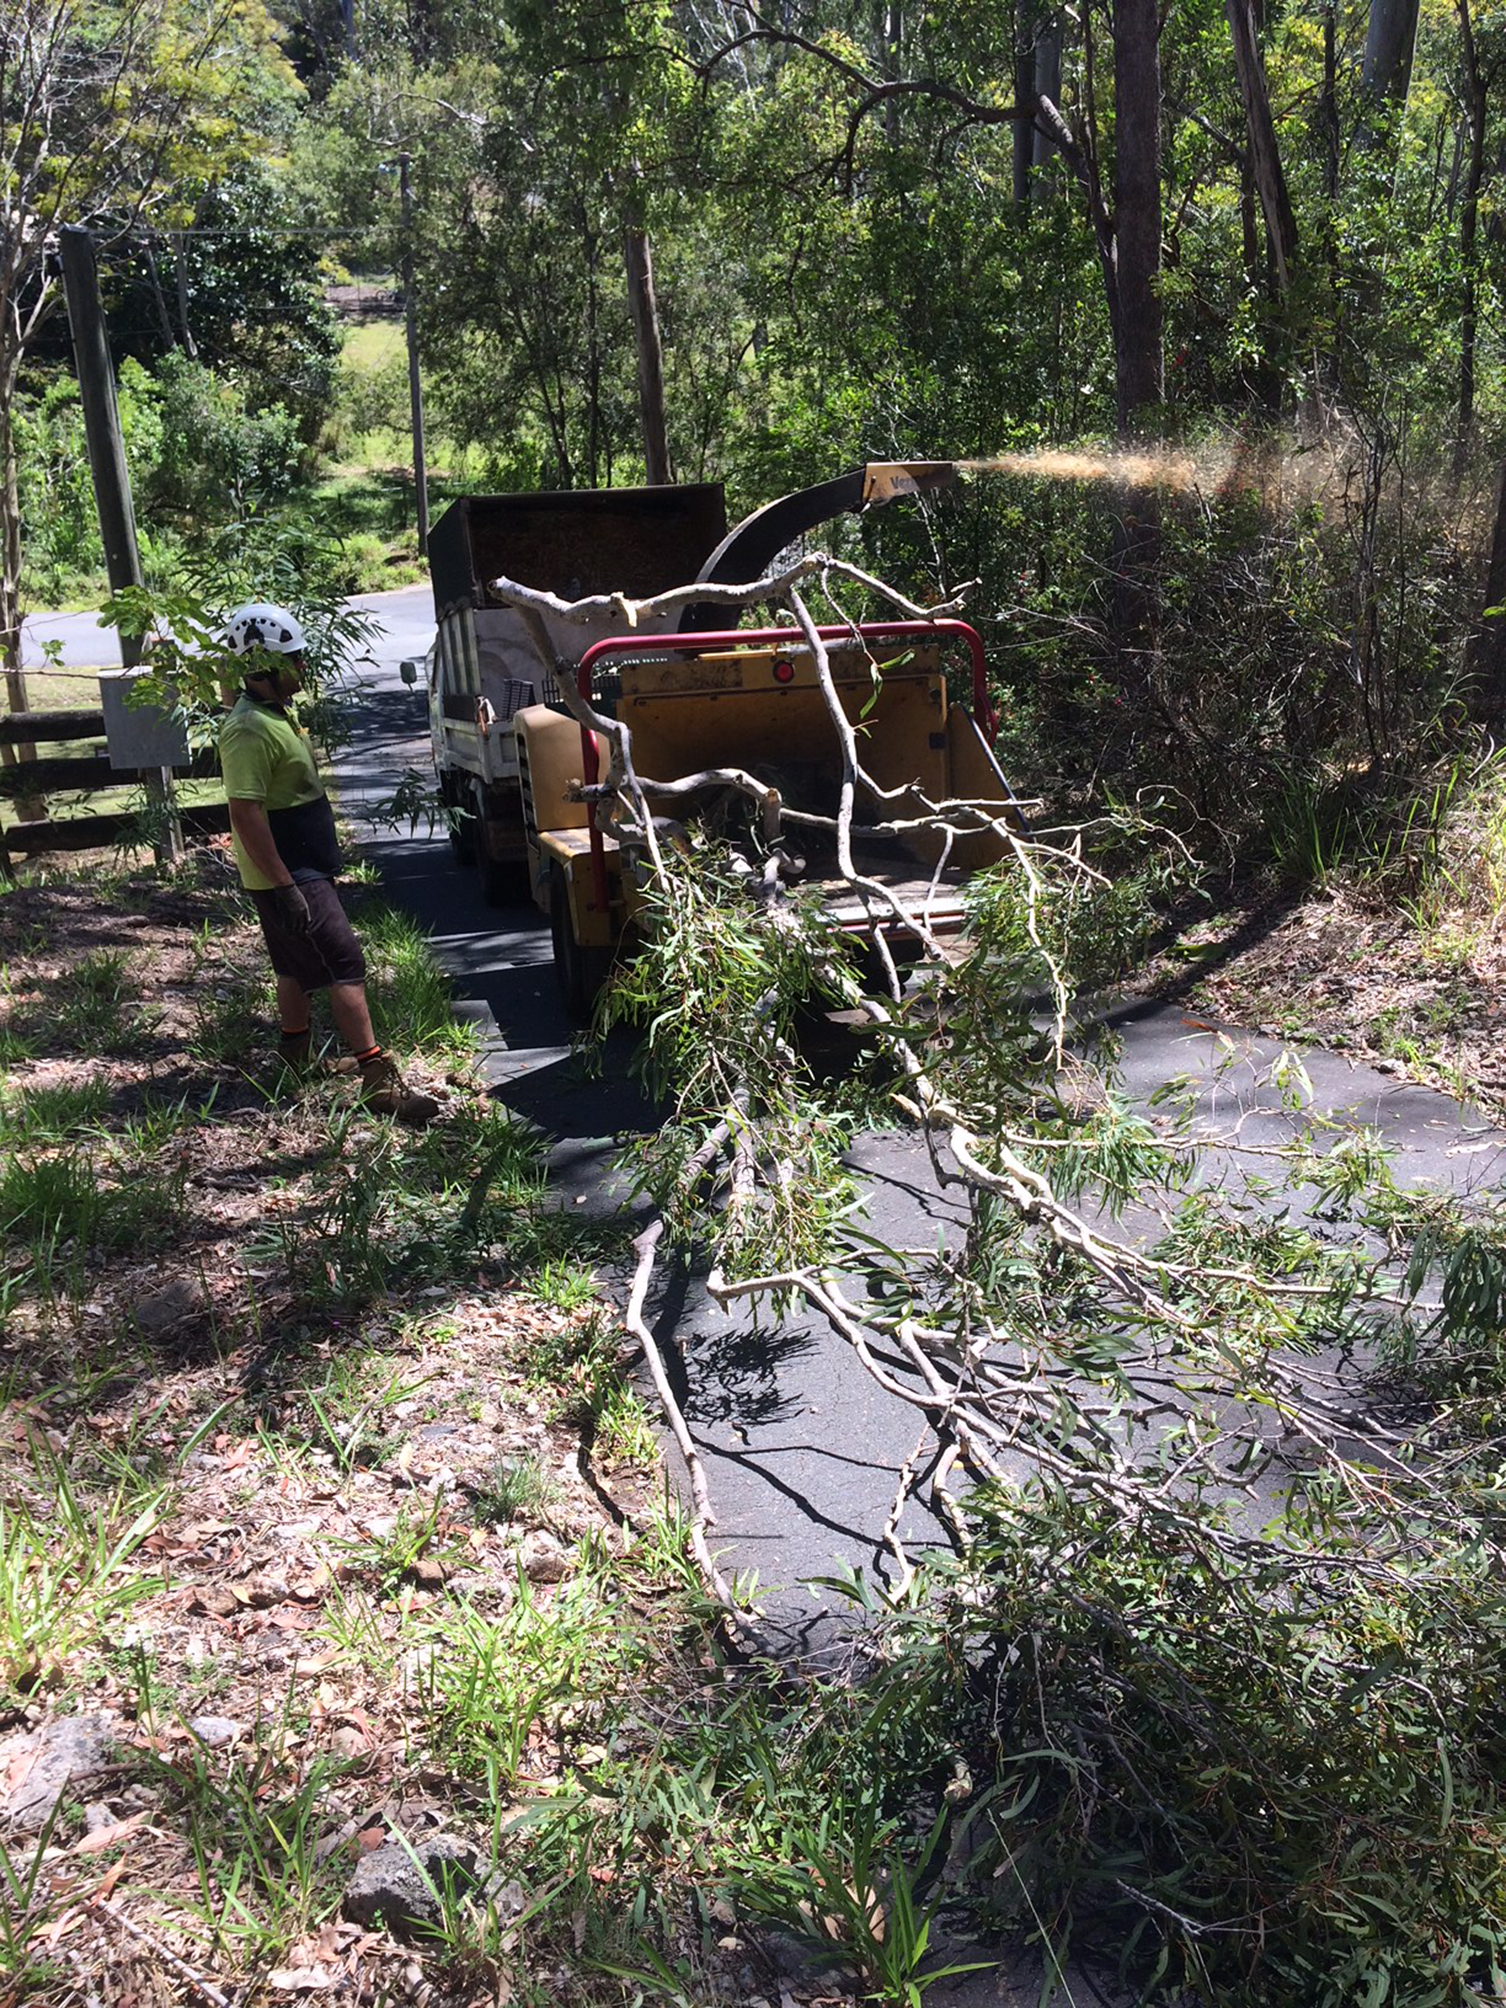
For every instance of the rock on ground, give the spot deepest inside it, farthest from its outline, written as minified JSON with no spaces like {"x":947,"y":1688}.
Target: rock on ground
{"x":400,"y":1887}
{"x":36,"y":1766}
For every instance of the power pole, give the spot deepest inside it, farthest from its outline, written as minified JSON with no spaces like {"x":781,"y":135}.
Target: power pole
{"x":96,"y":387}
{"x":415,"y":384}
{"x":112,"y":477}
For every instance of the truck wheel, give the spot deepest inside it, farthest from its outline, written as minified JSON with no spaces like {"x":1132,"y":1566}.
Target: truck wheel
{"x":580,"y":972}
{"x":462,"y":834}
{"x":504,"y":881}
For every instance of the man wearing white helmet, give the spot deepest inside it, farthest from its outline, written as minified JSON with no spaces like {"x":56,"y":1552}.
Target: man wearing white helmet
{"x":288,"y":856}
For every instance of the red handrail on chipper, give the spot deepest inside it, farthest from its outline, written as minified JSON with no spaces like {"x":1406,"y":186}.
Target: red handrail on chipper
{"x":780,"y":637}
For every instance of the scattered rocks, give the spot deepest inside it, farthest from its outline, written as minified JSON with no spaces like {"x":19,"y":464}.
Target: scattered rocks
{"x":36,"y":1766}
{"x":542,"y":1558}
{"x":217,"y":1731}
{"x":179,"y":1299}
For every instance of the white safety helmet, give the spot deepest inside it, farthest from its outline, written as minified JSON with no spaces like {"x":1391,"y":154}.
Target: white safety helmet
{"x":261,"y":625}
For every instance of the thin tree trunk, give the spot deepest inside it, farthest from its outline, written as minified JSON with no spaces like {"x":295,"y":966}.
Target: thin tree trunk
{"x":1048,"y":84}
{"x":1265,"y":152}
{"x":1024,"y":88}
{"x":30,"y":806}
{"x":1386,"y":73}
{"x":644,"y":306}
{"x":1386,"y":78}
{"x":181,"y":273}
{"x":891,"y":35}
{"x":1137,"y":214}
{"x":1487,"y":655}
{"x":593,"y":368}
{"x":1469,"y":237}
{"x":1328,"y":107}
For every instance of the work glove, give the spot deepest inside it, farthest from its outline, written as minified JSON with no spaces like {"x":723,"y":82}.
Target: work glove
{"x":292,"y":908}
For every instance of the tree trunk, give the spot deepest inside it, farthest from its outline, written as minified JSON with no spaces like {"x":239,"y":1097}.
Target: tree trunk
{"x":1328,"y":110}
{"x":1265,"y":153}
{"x":1048,"y":84}
{"x":1137,"y":215}
{"x":28,"y":807}
{"x":1386,"y":73}
{"x":1024,"y":89}
{"x":644,"y":305}
{"x":1469,"y":237}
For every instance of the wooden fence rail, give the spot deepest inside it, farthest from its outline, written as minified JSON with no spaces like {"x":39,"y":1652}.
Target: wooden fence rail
{"x":92,"y":833}
{"x":88,"y":772}
{"x":19,"y":728}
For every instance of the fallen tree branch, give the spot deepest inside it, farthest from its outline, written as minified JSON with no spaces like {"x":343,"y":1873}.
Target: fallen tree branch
{"x":702,"y":1513}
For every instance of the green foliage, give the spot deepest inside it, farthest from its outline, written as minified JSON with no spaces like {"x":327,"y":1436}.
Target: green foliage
{"x":254,"y":1826}
{"x":1286,"y":1780}
{"x":56,"y":492}
{"x":516,"y":1486}
{"x":52,"y":1115}
{"x":50,"y":1201}
{"x":215,"y":457}
{"x":64,"y":1580}
{"x":191,"y":664}
{"x":717,"y":992}
{"x":252,"y":286}
{"x":496,"y":1677}
{"x":388,"y":1203}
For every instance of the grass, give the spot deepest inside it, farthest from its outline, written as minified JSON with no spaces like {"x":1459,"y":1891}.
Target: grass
{"x":65,"y":1577}
{"x":408,"y":990}
{"x":497,"y":1679}
{"x":387,"y":1204}
{"x":369,"y":344}
{"x":254,"y":1826}
{"x":384,"y":1561}
{"x":29,"y":1903}
{"x":53,"y":1114}
{"x":49,"y":1202}
{"x":355,"y":1273}
{"x":516,"y":1486}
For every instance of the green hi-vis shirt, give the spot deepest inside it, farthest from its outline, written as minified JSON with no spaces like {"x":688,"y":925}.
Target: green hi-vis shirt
{"x":266,"y":758}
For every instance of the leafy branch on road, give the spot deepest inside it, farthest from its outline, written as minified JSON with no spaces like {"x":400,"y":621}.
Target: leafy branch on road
{"x":1173,"y":1395}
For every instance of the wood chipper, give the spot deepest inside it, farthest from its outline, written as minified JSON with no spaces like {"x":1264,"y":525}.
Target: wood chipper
{"x":695,"y":700}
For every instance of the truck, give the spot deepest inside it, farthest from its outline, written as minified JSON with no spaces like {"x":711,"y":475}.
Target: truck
{"x":514,"y":766}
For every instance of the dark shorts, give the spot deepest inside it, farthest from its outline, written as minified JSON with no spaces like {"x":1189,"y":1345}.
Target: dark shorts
{"x":328,"y":953}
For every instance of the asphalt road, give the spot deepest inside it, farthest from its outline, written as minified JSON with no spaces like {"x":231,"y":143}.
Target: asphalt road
{"x":802,"y":1448}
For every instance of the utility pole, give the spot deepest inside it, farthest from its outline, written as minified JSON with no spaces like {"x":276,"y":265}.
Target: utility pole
{"x":415,"y":384}
{"x":112,"y":477}
{"x":96,"y":387}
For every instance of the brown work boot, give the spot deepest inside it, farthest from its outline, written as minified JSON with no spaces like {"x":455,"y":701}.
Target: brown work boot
{"x":296,"y":1052}
{"x":384,"y":1091}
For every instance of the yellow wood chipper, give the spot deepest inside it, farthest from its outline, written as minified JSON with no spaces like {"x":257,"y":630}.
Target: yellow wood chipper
{"x":513,"y":759}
